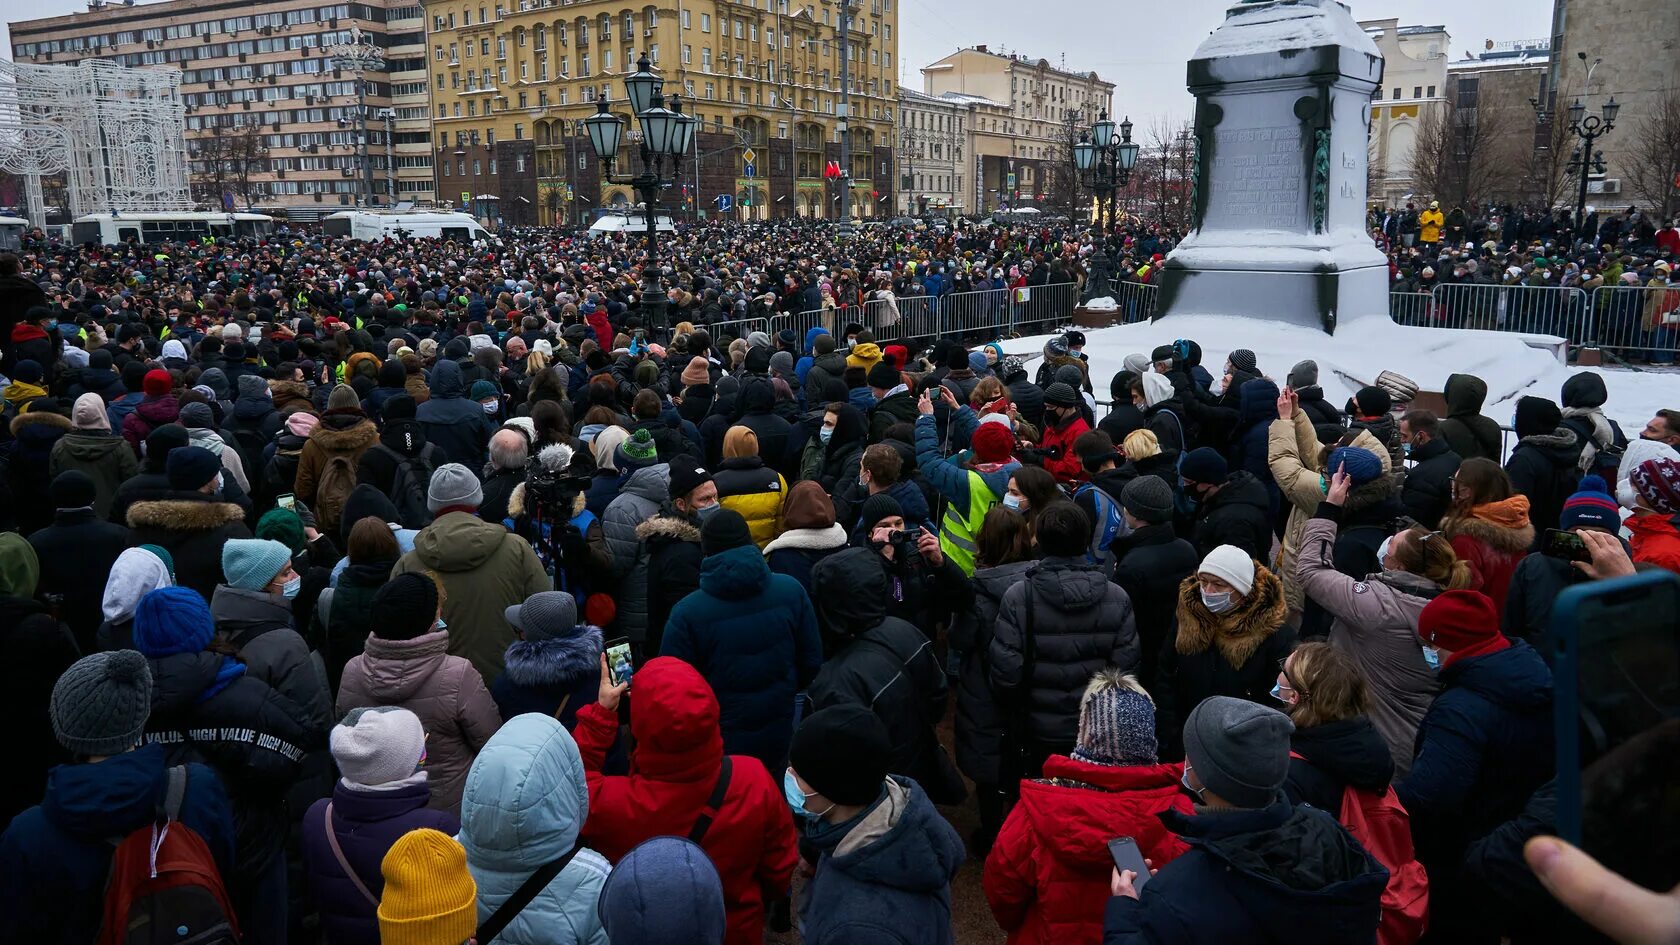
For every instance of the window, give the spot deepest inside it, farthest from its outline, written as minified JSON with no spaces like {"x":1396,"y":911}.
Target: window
{"x":1417,"y":91}
{"x":522,"y":103}
{"x":706,"y":60}
{"x":685,"y":20}
{"x":752,"y":32}
{"x":492,"y":167}
{"x":438,"y":52}
{"x":524,"y":71}
{"x":606,"y":60}
{"x":711,"y":91}
{"x":705,"y":22}
{"x":519,"y":135}
{"x":583,"y":65}
{"x":688,"y":55}
{"x":1432,"y":91}
{"x":1396,"y":92}
{"x":781,"y":129}
{"x":501,"y":47}
{"x":653,"y":54}
{"x":737,"y":29}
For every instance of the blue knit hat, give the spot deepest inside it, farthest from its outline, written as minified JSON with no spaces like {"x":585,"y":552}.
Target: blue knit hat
{"x":1362,"y":464}
{"x":172,"y":620}
{"x":667,"y":891}
{"x":1591,"y":507}
{"x":1116,"y":722}
{"x":251,"y":563}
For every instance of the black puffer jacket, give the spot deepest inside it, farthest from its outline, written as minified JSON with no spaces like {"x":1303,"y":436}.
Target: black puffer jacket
{"x":1466,"y":431}
{"x":883,"y":664}
{"x":1239,"y":514}
{"x":980,"y":721}
{"x":1334,"y":756}
{"x":1153,"y":561}
{"x":1428,"y":490}
{"x":1067,"y":621}
{"x":1543,"y":467}
{"x":192,"y":527}
{"x":1027,"y":397}
{"x":1328,"y":422}
{"x":673,"y":554}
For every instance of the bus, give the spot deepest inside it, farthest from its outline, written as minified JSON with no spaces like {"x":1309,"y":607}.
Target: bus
{"x":403,"y":224}
{"x":167,"y":226}
{"x":11,"y":233}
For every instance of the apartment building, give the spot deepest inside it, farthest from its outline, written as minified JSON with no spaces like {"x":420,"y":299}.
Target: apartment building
{"x":1414,"y":92}
{"x":933,"y":140}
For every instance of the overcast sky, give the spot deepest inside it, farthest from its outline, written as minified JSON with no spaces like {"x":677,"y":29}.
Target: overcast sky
{"x":1141,"y":47}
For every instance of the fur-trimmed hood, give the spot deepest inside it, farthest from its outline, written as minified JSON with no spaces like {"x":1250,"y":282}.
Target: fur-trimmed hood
{"x":183,"y":515}
{"x":1237,"y":633}
{"x":1498,"y":537}
{"x":1375,"y":492}
{"x":44,"y":418}
{"x":555,"y":661}
{"x":516,"y":502}
{"x":809,"y":539}
{"x":359,"y":433}
{"x":669,"y":528}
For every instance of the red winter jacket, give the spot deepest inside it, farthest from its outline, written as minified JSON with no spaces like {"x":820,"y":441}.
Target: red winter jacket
{"x":674,"y":767}
{"x":1047,"y":876}
{"x":1655,"y":541}
{"x":1067,"y":467}
{"x":603,"y":329}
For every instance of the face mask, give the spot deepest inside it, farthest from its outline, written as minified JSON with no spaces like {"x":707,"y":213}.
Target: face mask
{"x":796,"y":798}
{"x":708,"y":511}
{"x":1382,"y":552}
{"x":490,"y":407}
{"x":218,"y":483}
{"x":1218,"y":603}
{"x":290,"y":589}
{"x":52,"y":323}
{"x":1277,"y":692}
{"x":1432,"y":656}
{"x":1012,"y":502}
{"x":1184,"y":782}
{"x":825,"y":434}
{"x":440,"y":625}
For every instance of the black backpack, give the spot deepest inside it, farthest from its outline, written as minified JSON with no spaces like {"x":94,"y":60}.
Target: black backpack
{"x":408,"y":486}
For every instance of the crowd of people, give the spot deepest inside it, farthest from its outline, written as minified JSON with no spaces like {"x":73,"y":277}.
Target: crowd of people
{"x":420,"y":593}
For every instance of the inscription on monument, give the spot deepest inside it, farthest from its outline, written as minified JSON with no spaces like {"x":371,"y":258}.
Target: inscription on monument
{"x":1256,"y":178}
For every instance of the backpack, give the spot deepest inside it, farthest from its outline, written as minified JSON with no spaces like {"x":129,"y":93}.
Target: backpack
{"x":338,"y":479}
{"x":1381,"y":825}
{"x":1110,"y":525}
{"x":164,"y":885}
{"x":408,"y":488}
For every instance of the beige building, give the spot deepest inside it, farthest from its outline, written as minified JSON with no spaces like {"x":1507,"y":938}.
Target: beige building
{"x":271,"y":121}
{"x":1500,"y":86}
{"x":511,"y":81}
{"x":1022,"y":108}
{"x":1413,"y":91}
{"x":931,"y":146}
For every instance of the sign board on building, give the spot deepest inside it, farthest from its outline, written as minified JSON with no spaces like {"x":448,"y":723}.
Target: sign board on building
{"x":749,"y":156}
{"x":725,"y":203}
{"x":751,"y":170}
{"x":466,"y":197}
{"x":1011,"y":184}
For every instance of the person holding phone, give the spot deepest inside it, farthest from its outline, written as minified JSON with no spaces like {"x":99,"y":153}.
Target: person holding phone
{"x":1542,"y":577}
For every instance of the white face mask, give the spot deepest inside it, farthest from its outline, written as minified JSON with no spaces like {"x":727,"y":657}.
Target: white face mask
{"x":1012,"y":501}
{"x":1220,"y":602}
{"x":489,"y":407}
{"x":1382,"y":552}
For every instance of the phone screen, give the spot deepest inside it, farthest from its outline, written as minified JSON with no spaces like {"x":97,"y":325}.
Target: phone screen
{"x":1127,"y":856}
{"x":1616,"y":659}
{"x":286,"y":501}
{"x":618,"y":660}
{"x":1565,"y":545}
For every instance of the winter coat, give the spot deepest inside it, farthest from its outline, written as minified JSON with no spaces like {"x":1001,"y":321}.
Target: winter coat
{"x":1284,"y":873}
{"x":106,"y":459}
{"x":758,"y":405}
{"x":1427,"y":493}
{"x":525,"y":802}
{"x":886,"y":876}
{"x":756,"y":491}
{"x":1467,"y":432}
{"x":148,"y":415}
{"x":1238,"y":514}
{"x":674,"y":767}
{"x":554,"y":677}
{"x":796,"y":551}
{"x":1543,"y":467}
{"x":455,"y":424}
{"x":1076,"y":622}
{"x":639,"y":499}
{"x":484,"y":569}
{"x":1484,"y":746}
{"x":366,"y":824}
{"x":672,"y":546}
{"x":192,"y":527}
{"x":498,"y":489}
{"x":26,"y":463}
{"x":1153,"y":562}
{"x":38,"y":650}
{"x":259,"y":626}
{"x":1235,"y":653}
{"x":1535,"y":585}
{"x":1327,"y":759}
{"x":1293,"y":456}
{"x":1375,"y":624}
{"x":980,"y":722}
{"x":75,"y":555}
{"x":348,"y":615}
{"x":1493,"y":550}
{"x":445,"y":691}
{"x":401,"y":440}
{"x":753,"y":636}
{"x":1065,"y":464}
{"x":1047,"y":875}
{"x":891,"y":411}
{"x":55,"y":858}
{"x":346,"y":435}
{"x":1656,"y":540}
{"x":1327,"y":421}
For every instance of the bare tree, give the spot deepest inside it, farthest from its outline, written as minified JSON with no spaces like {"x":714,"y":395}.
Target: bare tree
{"x":1458,"y":158}
{"x":226,"y":162}
{"x":248,"y":154}
{"x":1063,"y":188}
{"x":1653,"y":159}
{"x":1547,"y":165}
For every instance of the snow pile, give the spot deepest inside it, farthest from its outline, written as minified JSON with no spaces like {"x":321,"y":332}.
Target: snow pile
{"x":1104,"y":303}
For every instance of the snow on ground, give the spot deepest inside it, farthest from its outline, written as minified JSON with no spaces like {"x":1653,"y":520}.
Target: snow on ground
{"x":1364,"y":347}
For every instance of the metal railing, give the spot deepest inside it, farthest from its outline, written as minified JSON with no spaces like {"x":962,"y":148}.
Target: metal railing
{"x":1636,"y":322}
{"x":737,"y":328}
{"x":981,"y":315}
{"x":1411,"y":308}
{"x":1136,"y":301}
{"x":1532,"y":309}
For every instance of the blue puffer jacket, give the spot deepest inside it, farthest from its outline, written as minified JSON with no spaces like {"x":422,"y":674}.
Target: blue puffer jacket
{"x":55,"y":857}
{"x":887,"y":878}
{"x":454,"y":423}
{"x":526,"y":800}
{"x":753,"y":635}
{"x":639,"y":499}
{"x":1258,"y":409}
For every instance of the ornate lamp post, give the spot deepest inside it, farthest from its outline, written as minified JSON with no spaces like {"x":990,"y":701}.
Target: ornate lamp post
{"x":360,"y":56}
{"x":1585,"y":161}
{"x":667,"y":134}
{"x":1107,"y":161}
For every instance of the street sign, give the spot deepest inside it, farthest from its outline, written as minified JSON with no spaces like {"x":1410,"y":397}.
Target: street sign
{"x":466,"y":197}
{"x":831,"y":170}
{"x":725,"y":203}
{"x":1011,"y":184}
{"x":749,"y":157}
{"x":751,"y":170}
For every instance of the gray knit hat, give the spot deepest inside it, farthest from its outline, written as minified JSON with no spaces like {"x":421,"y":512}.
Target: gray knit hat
{"x":1116,"y":722}
{"x":453,"y":484}
{"x":1244,"y":360}
{"x":544,"y":615}
{"x":1060,"y":395}
{"x":1303,"y":374}
{"x":1239,"y":749}
{"x":782,"y":363}
{"x":101,"y":703}
{"x":1149,"y":499}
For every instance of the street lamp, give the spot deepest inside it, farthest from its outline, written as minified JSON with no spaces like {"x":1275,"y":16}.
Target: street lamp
{"x":1585,"y":161}
{"x":1106,"y":160}
{"x":360,"y":56}
{"x":667,"y":134}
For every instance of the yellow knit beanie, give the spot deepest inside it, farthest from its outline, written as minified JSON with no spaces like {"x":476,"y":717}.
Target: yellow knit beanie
{"x":430,"y":898}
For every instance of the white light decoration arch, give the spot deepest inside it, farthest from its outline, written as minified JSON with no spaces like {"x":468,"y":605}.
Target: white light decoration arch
{"x":118,"y":135}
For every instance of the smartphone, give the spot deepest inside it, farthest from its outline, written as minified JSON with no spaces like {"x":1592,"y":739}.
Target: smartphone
{"x":285,"y":501}
{"x":618,"y":661}
{"x":1616,"y":677}
{"x":1127,"y":856}
{"x":1567,"y":546}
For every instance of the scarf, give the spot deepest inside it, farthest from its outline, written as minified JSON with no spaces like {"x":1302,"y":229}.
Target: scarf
{"x":1482,"y":647}
{"x":229,"y":671}
{"x":1507,"y":513}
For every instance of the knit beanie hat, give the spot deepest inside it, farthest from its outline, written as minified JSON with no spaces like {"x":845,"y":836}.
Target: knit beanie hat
{"x":1148,"y":498}
{"x":1231,"y":565}
{"x":992,"y":443}
{"x":482,"y":390}
{"x":1244,"y":360}
{"x":157,"y":383}
{"x":638,"y":451}
{"x":191,"y":467}
{"x":1239,"y":749}
{"x":343,"y":397}
{"x":197,"y":416}
{"x":545,"y":615}
{"x":429,"y":897}
{"x":647,"y":373}
{"x":1070,"y":374}
{"x":877,"y":507}
{"x":89,"y":413}
{"x":1204,"y":465}
{"x":397,"y":407}
{"x":1373,"y":401}
{"x":1536,"y":416}
{"x":664,"y":892}
{"x":843,"y":753}
{"x":698,"y":371}
{"x":73,"y":489}
{"x":251,"y":563}
{"x":884,"y":376}
{"x":724,"y":530}
{"x":1658,"y":482}
{"x":1359,"y":463}
{"x":1590,"y":507}
{"x":686,"y":475}
{"x":453,"y":485}
{"x":782,"y":364}
{"x":250,"y":385}
{"x":1116,"y":722}
{"x":101,"y":703}
{"x":1456,"y":620}
{"x":1060,"y":395}
{"x":172,"y":620}
{"x":1303,"y":374}
{"x":378,"y":745}
{"x":163,"y":555}
{"x":303,"y":423}
{"x":407,"y":606}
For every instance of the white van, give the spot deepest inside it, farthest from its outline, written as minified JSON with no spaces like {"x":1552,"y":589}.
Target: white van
{"x":631,"y":223}
{"x":11,"y":232}
{"x":410,"y":224}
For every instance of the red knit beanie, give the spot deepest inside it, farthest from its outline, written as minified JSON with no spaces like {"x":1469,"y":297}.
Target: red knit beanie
{"x":157,"y":383}
{"x":992,"y":443}
{"x":1458,"y":620}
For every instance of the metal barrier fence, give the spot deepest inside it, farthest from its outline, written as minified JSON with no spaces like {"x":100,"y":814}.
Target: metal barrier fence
{"x":985,"y":314}
{"x":1636,"y":322}
{"x":737,"y":328}
{"x":1410,"y":308}
{"x":1136,"y":301}
{"x":1534,"y":309}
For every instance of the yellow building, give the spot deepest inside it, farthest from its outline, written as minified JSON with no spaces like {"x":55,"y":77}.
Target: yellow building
{"x":510,"y":83}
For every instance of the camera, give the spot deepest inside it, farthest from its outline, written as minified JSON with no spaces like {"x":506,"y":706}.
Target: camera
{"x":904,"y":541}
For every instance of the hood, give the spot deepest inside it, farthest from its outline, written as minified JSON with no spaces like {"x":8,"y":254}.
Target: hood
{"x":407,"y":437}
{"x":446,"y":382}
{"x":560,"y":661}
{"x":849,"y":590}
{"x":1562,"y":446}
{"x":1515,"y":677}
{"x":902,"y":843}
{"x":736,"y":574}
{"x":184,"y":515}
{"x":807,"y":506}
{"x":343,"y":433}
{"x":393,"y":374}
{"x":135,"y":573}
{"x":40,"y":427}
{"x":178,"y":679}
{"x":1157,"y":389}
{"x":666,"y":529}
{"x":1258,"y":401}
{"x":652,"y":483}
{"x":252,"y":408}
{"x":363,"y":501}
{"x":811,"y":335}
{"x":1076,"y":823}
{"x":1585,"y":390}
{"x":525,"y":797}
{"x":676,"y":728}
{"x":238,"y":610}
{"x":993,"y":582}
{"x":91,"y":447}
{"x":216,"y":380}
{"x":758,"y":396}
{"x":1496,"y":525}
{"x":158,"y":411}
{"x":1068,"y":585}
{"x":1465,"y":394}
{"x":1238,"y":632}
{"x":95,"y":802}
{"x":397,"y":669}
{"x":1297,"y":861}
{"x":1349,"y":750}
{"x":809,"y":539}
{"x":458,"y":541}
{"x":1243,"y":488}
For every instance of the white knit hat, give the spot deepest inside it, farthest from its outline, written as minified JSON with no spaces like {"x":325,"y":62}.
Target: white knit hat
{"x":378,"y":745}
{"x":1231,"y":565}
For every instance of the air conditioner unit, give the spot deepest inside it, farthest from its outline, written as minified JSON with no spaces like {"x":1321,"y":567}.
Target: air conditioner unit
{"x":151,"y":44}
{"x":281,"y":173}
{"x":206,"y":38}
{"x":1607,"y":186}
{"x":276,"y":126}
{"x":317,"y":198}
{"x":273,"y":80}
{"x":648,"y":31}
{"x":211,"y":84}
{"x":267,"y":31}
{"x":346,"y":172}
{"x":241,"y":57}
